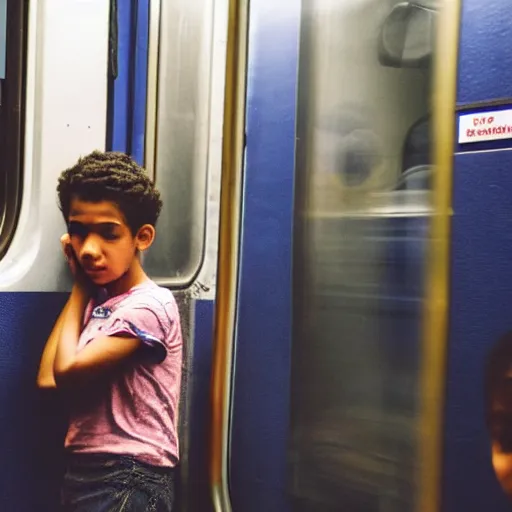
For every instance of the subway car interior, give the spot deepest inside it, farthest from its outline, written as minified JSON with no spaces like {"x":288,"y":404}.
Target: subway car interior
{"x":336,"y":231}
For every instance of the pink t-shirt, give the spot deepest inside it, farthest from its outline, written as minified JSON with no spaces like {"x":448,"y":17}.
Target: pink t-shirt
{"x":136,"y":413}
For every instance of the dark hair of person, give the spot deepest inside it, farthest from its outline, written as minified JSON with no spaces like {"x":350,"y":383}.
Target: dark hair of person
{"x":115,"y":177}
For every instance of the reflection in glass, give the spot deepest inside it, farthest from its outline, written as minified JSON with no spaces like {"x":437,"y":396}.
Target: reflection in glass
{"x":362,"y":216}
{"x":184,"y":83}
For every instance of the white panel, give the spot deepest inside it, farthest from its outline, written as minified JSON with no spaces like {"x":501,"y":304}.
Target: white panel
{"x":66,"y":115}
{"x":204,"y":284}
{"x":485,"y":126}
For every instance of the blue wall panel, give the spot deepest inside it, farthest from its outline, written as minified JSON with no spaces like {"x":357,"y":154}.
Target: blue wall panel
{"x":140,"y":78}
{"x":481,"y":262}
{"x":120,"y":96}
{"x":128,"y":95}
{"x":481,"y":298}
{"x":485,"y":51}
{"x":199,"y":415}
{"x":259,"y":436}
{"x":31,"y":424}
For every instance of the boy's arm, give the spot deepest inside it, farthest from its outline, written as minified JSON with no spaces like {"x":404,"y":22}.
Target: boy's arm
{"x":100,"y":355}
{"x":45,"y":377}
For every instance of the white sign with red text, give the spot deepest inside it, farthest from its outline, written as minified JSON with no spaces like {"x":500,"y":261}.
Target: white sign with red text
{"x":485,"y":126}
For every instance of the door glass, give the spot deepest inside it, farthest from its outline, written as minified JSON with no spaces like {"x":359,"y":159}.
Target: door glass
{"x":363,"y":207}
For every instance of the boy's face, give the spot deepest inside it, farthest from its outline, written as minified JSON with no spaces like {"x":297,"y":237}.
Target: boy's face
{"x":500,"y":423}
{"x":102,"y":241}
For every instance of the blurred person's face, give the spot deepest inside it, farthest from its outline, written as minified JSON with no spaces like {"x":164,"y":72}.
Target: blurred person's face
{"x":500,"y":424}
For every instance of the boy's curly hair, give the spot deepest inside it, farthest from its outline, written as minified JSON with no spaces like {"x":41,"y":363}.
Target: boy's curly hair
{"x":111,"y":176}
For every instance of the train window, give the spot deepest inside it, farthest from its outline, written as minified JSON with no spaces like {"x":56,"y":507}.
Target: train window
{"x":363,"y":205}
{"x":181,"y":147}
{"x":12,"y":55}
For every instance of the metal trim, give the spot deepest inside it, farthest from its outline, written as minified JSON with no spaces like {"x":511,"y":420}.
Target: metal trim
{"x":499,"y":102}
{"x":228,"y":258}
{"x":152,"y":88}
{"x":435,"y":328}
{"x":12,"y":115}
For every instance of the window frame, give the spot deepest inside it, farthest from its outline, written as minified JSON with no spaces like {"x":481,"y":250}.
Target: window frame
{"x":12,"y":116}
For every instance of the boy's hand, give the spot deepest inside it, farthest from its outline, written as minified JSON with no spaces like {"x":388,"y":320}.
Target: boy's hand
{"x":80,"y":277}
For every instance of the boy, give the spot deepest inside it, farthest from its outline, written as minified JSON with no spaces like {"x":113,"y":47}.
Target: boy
{"x":116,"y":348}
{"x":498,"y":404}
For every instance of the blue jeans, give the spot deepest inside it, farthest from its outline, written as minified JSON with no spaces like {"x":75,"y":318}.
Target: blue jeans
{"x":107,"y":483}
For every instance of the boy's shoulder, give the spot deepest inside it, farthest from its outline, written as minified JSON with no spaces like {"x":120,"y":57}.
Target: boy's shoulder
{"x":147,"y":296}
{"x":151,"y":295}
{"x":146,"y":309}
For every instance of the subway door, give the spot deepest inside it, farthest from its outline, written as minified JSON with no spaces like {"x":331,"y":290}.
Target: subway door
{"x":166,"y":93}
{"x":53,"y":83}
